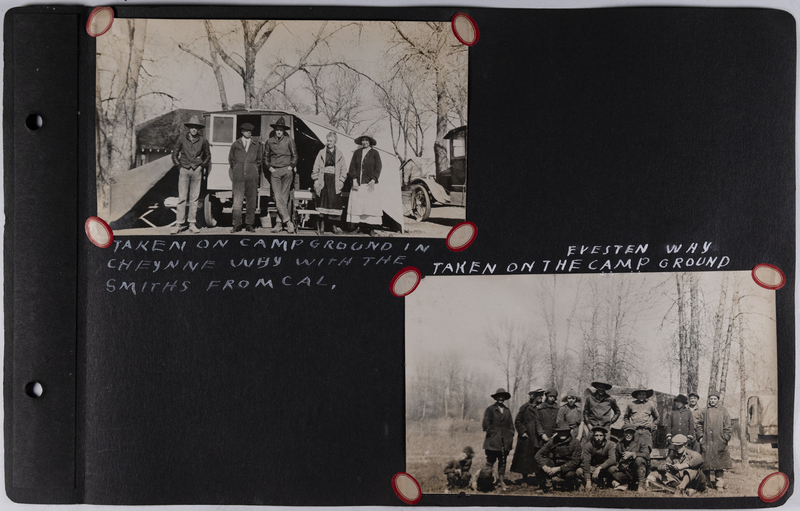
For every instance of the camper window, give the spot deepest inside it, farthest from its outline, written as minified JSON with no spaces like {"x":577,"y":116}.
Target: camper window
{"x":222,"y":130}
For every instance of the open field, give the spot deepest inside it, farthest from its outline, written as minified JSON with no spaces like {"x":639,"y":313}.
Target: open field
{"x":431,"y":444}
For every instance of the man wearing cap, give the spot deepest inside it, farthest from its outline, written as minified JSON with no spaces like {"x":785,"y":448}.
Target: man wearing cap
{"x":714,"y":432}
{"x":600,"y":408}
{"x":528,"y":440}
{"x":191,"y":152}
{"x":679,"y":421}
{"x":643,"y":415}
{"x":499,"y":428}
{"x":547,"y":416}
{"x":457,"y":471}
{"x":598,"y":456}
{"x":559,"y":458}
{"x":280,"y":159}
{"x":681,"y":469}
{"x":245,"y":161}
{"x":633,"y":458}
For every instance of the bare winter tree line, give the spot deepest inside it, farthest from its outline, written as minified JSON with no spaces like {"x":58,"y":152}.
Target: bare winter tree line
{"x":420,"y":87}
{"x":593,"y":330}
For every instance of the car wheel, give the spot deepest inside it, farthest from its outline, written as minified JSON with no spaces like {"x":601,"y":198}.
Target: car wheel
{"x":420,"y":203}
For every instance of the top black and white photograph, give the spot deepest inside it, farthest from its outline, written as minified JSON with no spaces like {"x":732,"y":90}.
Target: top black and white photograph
{"x":275,"y":127}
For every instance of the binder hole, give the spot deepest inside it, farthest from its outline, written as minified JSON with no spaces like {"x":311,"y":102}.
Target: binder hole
{"x":34,"y":389}
{"x":33,"y":122}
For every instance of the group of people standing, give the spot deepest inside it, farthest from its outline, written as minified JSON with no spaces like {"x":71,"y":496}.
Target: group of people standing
{"x":277,"y":159}
{"x":564,"y":446}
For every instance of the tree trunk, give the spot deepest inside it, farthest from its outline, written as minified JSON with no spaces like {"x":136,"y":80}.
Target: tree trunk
{"x":693,"y":376}
{"x":742,"y":398}
{"x":682,"y":328}
{"x":726,"y":350}
{"x":122,"y":147}
{"x":439,"y":148}
{"x":719,"y":319}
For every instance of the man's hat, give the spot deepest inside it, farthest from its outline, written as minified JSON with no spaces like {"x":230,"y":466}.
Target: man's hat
{"x":194,"y":122}
{"x":246,"y":127}
{"x":468,"y":451}
{"x":601,"y":385}
{"x":280,"y":124}
{"x":679,"y":440}
{"x":501,"y":393}
{"x":680,"y":398}
{"x":695,"y":394}
{"x":571,"y":393}
{"x":535,"y":389}
{"x":563,"y":429}
{"x":600,"y":428}
{"x":628,"y":427}
{"x":551,"y":392}
{"x":713,"y":392}
{"x":642,"y":389}
{"x":365,"y":135}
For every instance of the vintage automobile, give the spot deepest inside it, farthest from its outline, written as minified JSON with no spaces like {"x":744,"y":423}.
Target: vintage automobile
{"x":762,"y":419}
{"x":426,"y":186}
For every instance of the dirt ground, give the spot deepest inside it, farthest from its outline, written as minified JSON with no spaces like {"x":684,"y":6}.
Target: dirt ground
{"x":442,"y":219}
{"x":431,"y":444}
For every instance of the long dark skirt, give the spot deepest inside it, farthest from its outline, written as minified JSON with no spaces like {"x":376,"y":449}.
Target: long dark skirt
{"x":328,"y":202}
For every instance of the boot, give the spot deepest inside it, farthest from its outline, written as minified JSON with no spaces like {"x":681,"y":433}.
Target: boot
{"x":501,"y":475}
{"x":278,"y":227}
{"x":193,"y":228}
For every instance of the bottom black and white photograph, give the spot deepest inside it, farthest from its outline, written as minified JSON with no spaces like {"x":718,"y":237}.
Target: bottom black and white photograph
{"x":604,"y":385}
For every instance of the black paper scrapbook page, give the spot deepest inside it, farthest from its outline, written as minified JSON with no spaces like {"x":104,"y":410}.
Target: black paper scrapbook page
{"x":399,"y":256}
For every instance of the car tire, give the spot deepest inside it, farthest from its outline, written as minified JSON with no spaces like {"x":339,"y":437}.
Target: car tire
{"x":420,"y":203}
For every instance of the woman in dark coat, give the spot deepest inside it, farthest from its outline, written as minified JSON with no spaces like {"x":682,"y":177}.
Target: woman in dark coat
{"x":499,"y":428}
{"x":528,"y":443}
{"x":364,"y":206}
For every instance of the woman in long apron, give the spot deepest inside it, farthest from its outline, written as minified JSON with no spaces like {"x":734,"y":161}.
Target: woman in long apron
{"x":364,"y":207}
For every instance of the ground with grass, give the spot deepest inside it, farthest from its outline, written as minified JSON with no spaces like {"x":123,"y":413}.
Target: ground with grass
{"x":431,"y":444}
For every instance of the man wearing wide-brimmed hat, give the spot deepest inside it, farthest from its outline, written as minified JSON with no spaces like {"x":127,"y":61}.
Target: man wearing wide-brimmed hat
{"x":642,"y":414}
{"x":499,"y":428}
{"x":280,"y":160}
{"x":600,"y":409}
{"x":528,"y":442}
{"x":364,"y":206}
{"x":192,"y":153}
{"x":245,"y":161}
{"x":714,"y":432}
{"x":559,"y":458}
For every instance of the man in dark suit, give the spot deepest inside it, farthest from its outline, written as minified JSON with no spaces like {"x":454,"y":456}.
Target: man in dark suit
{"x":499,"y":428}
{"x":245,"y":161}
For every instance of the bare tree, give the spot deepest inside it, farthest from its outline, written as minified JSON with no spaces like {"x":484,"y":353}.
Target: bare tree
{"x":513,"y":350}
{"x":119,"y":65}
{"x":719,"y":321}
{"x":336,"y":92}
{"x":213,"y":63}
{"x":432,"y":47}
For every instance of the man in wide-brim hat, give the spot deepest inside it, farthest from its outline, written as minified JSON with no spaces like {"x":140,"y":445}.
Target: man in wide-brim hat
{"x":559,"y":459}
{"x":364,"y":206}
{"x":192,"y":153}
{"x":245,"y":161}
{"x":499,"y":428}
{"x":528,"y":440}
{"x":280,"y":161}
{"x":600,"y":409}
{"x":643,"y":414}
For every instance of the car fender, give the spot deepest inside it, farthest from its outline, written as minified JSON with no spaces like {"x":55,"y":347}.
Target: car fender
{"x":436,"y":190}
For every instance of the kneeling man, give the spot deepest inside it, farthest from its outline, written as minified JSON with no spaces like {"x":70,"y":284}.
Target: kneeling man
{"x":598,"y":456}
{"x":682,"y":469}
{"x":560,"y":458}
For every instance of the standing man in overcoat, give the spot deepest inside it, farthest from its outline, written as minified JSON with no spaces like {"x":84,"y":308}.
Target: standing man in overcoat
{"x":245,"y":161}
{"x":528,"y":441}
{"x":548,"y":415}
{"x":714,"y":432}
{"x":499,"y":428}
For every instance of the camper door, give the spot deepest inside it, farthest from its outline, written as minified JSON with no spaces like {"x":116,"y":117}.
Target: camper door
{"x":222,"y":133}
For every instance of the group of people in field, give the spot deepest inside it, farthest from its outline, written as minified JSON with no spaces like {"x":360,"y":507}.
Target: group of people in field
{"x":277,"y":159}
{"x":568,"y":447}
